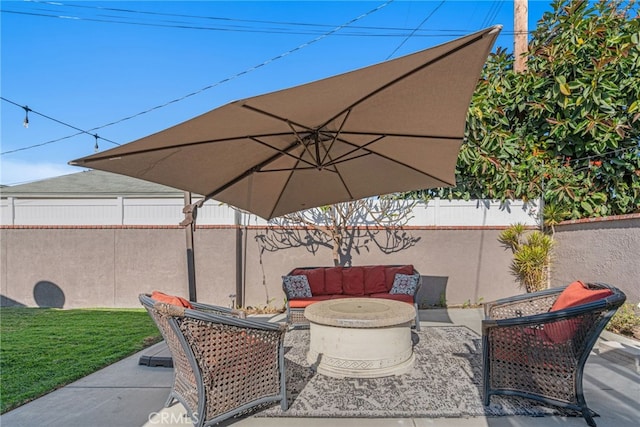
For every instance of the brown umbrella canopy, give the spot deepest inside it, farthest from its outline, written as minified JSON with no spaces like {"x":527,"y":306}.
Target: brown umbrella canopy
{"x":391,"y":127}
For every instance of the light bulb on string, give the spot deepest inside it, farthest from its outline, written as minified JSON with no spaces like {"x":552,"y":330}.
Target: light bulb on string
{"x":25,"y":122}
{"x":96,"y":148}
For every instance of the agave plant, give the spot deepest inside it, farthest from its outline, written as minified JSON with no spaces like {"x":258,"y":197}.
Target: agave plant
{"x":531,"y":256}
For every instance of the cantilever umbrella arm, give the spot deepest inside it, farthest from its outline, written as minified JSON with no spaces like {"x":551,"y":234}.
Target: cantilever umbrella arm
{"x":190,"y":212}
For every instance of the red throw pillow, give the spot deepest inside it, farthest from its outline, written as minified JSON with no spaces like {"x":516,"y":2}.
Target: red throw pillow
{"x":390,"y":274}
{"x":374,"y":279}
{"x":353,"y":281}
{"x":171,"y":299}
{"x":333,"y":280}
{"x":578,"y":293}
{"x":575,"y":294}
{"x":315,"y":276}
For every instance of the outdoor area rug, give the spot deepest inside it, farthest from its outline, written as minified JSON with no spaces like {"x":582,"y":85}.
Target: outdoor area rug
{"x":446,"y":381}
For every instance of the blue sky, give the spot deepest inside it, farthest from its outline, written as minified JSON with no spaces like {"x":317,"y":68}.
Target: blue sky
{"x":89,"y":64}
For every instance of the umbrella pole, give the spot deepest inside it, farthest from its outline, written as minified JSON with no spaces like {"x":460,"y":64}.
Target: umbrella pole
{"x":191,"y":265}
{"x":239,"y":260}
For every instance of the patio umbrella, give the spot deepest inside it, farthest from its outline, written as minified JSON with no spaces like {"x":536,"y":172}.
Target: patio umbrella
{"x":391,"y":127}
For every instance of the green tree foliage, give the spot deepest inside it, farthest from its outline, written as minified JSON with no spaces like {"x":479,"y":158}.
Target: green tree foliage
{"x":568,"y":128}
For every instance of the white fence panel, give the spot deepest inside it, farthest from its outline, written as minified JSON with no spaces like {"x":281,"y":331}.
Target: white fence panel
{"x":6,"y":211}
{"x":152,"y":211}
{"x":66,"y":212}
{"x":168,"y":211}
{"x":440,"y":212}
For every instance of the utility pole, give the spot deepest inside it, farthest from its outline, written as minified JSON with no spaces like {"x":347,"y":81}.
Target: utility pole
{"x":521,"y":40}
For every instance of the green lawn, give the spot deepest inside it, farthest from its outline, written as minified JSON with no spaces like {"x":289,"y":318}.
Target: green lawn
{"x":44,"y":349}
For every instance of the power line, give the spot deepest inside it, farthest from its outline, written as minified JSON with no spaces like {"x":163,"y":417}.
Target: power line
{"x":26,"y":122}
{"x":494,"y":9}
{"x":413,"y":32}
{"x":246,"y":71}
{"x":253,"y":30}
{"x":416,"y":29}
{"x":225,"y":19}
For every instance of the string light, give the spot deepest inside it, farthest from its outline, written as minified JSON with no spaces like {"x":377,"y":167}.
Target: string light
{"x":25,"y":122}
{"x":211,"y":86}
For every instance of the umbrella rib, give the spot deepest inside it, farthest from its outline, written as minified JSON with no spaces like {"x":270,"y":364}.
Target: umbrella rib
{"x":247,"y":173}
{"x":291,"y":169}
{"x":301,"y":142}
{"x":405,"y":75}
{"x":284,"y":152}
{"x":341,"y":159}
{"x":291,"y":125}
{"x":282,"y":191}
{"x":335,"y":137}
{"x":357,"y":148}
{"x":176,"y":147}
{"x":401,"y":135}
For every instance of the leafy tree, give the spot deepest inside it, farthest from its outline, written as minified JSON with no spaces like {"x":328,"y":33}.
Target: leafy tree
{"x":568,"y":128}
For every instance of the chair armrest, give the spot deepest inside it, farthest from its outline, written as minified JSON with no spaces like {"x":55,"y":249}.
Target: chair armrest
{"x":521,"y":305}
{"x":226,"y":319}
{"x":525,"y":316}
{"x":215,"y":309}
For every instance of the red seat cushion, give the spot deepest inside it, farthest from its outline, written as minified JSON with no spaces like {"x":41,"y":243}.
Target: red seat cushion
{"x":396,"y":297}
{"x":333,"y":280}
{"x":374,"y":279}
{"x":353,"y":281}
{"x":304,"y":302}
{"x":390,"y":274}
{"x":170,"y":299}
{"x":315,"y":276}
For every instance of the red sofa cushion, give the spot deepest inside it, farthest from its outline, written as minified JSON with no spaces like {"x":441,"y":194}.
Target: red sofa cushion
{"x":397,"y":297}
{"x":333,"y":280}
{"x":390,"y":274}
{"x":304,"y":302}
{"x":353,"y":281}
{"x":316,"y":279}
{"x":374,"y":279}
{"x":170,"y":299}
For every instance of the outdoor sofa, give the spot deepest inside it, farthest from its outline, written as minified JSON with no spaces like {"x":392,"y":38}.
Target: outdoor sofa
{"x":535,"y":345}
{"x":224,"y":364}
{"x":307,"y":285}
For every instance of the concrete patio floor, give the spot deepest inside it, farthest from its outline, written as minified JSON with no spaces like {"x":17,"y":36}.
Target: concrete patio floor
{"x":127,"y":394}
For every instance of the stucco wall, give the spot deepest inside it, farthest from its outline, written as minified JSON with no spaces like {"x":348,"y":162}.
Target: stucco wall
{"x":603,"y":250}
{"x":109,"y":266}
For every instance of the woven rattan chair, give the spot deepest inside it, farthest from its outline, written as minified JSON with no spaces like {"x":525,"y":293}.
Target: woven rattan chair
{"x":532,"y":352}
{"x":224,"y":365}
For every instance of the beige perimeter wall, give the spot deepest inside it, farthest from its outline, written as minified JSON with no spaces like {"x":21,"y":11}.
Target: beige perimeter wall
{"x":109,"y":266}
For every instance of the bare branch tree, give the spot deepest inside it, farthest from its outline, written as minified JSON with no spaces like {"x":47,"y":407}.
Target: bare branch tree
{"x":344,"y":227}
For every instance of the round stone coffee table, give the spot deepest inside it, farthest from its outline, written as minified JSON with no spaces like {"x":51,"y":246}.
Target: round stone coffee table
{"x":360,"y":337}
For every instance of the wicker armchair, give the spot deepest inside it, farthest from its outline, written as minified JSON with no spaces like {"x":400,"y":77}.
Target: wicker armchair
{"x":532,"y":352}
{"x":224,"y":365}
